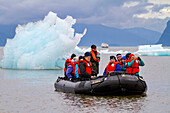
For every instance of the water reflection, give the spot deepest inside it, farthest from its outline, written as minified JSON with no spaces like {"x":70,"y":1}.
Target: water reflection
{"x":87,"y":103}
{"x":31,"y":77}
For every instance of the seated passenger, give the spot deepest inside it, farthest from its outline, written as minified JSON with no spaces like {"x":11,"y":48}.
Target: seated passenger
{"x":85,"y":68}
{"x":112,"y":66}
{"x":72,"y":69}
{"x":67,"y":62}
{"x":134,"y":64}
{"x":123,"y":63}
{"x":119,"y":56}
{"x":81,"y":58}
{"x":128,"y":69}
{"x":127,"y":56}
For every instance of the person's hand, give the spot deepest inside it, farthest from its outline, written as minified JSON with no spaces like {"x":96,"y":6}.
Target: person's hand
{"x":139,"y":58}
{"x":70,"y":79}
{"x":92,"y":76}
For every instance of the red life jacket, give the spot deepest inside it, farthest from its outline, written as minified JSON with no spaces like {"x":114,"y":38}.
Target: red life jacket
{"x":135,"y":67}
{"x":111,"y":67}
{"x":66,"y":64}
{"x":94,"y":56}
{"x":88,"y":67}
{"x":80,"y":61}
{"x":128,"y":69}
{"x":73,"y":66}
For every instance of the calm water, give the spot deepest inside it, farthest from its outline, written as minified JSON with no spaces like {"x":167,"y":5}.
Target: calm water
{"x":32,"y":91}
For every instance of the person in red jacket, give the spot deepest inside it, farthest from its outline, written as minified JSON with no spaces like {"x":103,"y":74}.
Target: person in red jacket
{"x":67,"y":62}
{"x":112,"y":66}
{"x":85,"y":67}
{"x":134,"y":64}
{"x":72,"y":69}
{"x":128,"y":69}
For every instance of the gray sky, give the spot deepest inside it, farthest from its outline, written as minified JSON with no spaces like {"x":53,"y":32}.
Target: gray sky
{"x":151,"y":14}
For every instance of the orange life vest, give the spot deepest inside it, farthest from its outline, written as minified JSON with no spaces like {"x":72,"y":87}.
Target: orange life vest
{"x":88,"y":67}
{"x":66,"y":64}
{"x":135,"y":67}
{"x":111,"y":67}
{"x":94,"y":56}
{"x":128,"y":69}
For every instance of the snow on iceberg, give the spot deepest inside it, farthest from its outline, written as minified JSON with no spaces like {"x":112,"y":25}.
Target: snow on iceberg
{"x":41,"y":45}
{"x":153,"y":50}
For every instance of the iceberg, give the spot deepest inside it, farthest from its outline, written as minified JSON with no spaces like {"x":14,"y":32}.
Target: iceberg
{"x":153,"y":50}
{"x":79,"y":50}
{"x":44,"y":44}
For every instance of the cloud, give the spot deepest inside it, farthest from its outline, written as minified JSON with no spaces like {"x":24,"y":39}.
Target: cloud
{"x":157,"y":9}
{"x":130,"y":4}
{"x":159,"y":2}
{"x":161,"y":14}
{"x":113,"y":13}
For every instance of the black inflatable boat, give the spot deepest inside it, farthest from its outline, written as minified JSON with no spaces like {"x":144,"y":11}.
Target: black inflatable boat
{"x":117,"y":83}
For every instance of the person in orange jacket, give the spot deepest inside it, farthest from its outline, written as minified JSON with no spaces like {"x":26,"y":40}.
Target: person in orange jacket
{"x":95,"y":59}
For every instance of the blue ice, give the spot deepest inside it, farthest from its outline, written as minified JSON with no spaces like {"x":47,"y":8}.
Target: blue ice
{"x":41,"y":45}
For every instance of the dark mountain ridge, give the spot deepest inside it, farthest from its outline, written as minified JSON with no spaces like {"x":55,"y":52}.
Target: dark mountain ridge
{"x":165,"y":37}
{"x":97,"y":34}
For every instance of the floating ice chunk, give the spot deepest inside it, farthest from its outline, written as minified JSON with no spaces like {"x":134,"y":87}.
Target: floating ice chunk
{"x":153,"y":50}
{"x":41,"y":45}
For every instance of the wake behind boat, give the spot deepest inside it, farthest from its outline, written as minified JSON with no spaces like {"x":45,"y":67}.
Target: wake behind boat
{"x":117,"y":83}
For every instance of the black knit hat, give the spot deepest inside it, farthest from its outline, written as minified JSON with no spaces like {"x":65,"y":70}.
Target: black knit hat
{"x":80,"y":57}
{"x":87,"y":54}
{"x":112,"y":57}
{"x":127,"y":55}
{"x":93,"y":46}
{"x":73,"y":55}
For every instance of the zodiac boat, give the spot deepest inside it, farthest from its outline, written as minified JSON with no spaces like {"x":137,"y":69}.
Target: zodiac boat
{"x":117,"y":83}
